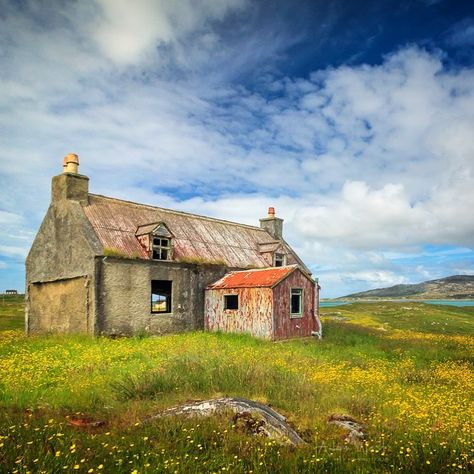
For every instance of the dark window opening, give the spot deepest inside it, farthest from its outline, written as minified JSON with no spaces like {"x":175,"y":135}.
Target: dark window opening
{"x":231,"y":301}
{"x":161,"y":249}
{"x":296,"y":301}
{"x":279,"y":260}
{"x":161,"y":296}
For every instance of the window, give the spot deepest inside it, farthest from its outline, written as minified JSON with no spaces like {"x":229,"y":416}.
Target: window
{"x":231,"y":301}
{"x":161,"y":296}
{"x":296,"y":302}
{"x":279,"y":260}
{"x":161,"y":248}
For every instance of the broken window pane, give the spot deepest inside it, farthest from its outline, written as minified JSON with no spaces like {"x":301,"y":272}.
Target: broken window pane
{"x":296,"y":301}
{"x":231,"y":301}
{"x":161,"y":249}
{"x":161,"y":296}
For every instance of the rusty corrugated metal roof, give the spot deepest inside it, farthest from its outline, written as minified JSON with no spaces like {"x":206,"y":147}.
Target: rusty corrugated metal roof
{"x":257,"y":278}
{"x":115,"y":223}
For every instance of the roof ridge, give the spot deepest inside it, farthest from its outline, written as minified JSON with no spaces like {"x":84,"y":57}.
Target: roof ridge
{"x":265,"y":268}
{"x":199,"y":216}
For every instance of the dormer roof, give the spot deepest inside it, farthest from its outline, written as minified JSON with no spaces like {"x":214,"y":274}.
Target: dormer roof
{"x":270,"y":247}
{"x":156,"y":228}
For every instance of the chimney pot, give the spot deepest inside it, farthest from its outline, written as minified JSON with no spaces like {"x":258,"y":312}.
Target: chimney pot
{"x":71,"y":163}
{"x":271,"y":212}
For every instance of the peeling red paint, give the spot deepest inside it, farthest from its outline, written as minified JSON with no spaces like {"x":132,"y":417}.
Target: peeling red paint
{"x":285,"y":325}
{"x":254,"y":315}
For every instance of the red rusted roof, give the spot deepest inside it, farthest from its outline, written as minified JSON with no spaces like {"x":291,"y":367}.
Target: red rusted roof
{"x":256,"y":278}
{"x":115,"y":223}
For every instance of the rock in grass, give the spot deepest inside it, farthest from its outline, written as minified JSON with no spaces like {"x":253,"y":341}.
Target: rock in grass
{"x":253,"y":417}
{"x":85,"y":422}
{"x":355,"y":428}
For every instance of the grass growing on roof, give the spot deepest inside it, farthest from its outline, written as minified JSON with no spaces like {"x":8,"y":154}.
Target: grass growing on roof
{"x":202,"y":261}
{"x":410,"y":381}
{"x":117,"y":253}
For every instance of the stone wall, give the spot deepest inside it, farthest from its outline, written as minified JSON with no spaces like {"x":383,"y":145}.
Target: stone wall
{"x":124,"y":301}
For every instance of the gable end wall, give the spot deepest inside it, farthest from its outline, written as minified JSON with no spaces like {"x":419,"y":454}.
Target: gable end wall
{"x":60,"y":272}
{"x":285,"y":326}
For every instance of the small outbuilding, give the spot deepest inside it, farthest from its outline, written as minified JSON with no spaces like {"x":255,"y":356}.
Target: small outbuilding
{"x":272,"y":303}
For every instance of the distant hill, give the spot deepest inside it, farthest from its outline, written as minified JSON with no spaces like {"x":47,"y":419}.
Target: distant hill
{"x":453,"y":287}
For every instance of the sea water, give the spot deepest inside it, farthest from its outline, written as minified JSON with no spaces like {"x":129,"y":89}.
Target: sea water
{"x":329,"y":304}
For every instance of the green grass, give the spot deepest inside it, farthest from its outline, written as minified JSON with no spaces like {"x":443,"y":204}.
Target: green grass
{"x":437,"y":319}
{"x":202,"y":261}
{"x":117,"y":253}
{"x":405,"y":370}
{"x":12,"y":312}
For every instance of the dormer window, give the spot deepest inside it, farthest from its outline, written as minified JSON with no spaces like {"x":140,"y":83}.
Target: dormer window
{"x":279,"y":260}
{"x":161,"y":248}
{"x":157,"y":239}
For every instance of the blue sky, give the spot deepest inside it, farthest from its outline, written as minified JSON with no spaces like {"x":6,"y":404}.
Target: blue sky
{"x":353,"y":119}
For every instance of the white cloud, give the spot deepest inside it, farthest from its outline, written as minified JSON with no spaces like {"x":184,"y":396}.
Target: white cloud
{"x":13,"y":251}
{"x":127,"y":31}
{"x":8,"y":218}
{"x":364,"y":162}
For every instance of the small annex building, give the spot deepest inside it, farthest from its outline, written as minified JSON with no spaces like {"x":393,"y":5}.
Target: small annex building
{"x":105,"y":266}
{"x":271,"y":303}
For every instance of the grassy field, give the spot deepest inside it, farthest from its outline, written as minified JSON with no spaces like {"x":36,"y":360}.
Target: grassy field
{"x":12,"y":315}
{"x":404,"y":370}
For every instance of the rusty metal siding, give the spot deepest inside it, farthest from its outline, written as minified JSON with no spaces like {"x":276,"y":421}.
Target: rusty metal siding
{"x":254,"y":316}
{"x":286,"y":327}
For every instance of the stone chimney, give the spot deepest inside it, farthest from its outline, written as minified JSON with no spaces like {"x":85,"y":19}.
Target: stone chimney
{"x":70,"y":185}
{"x":273,"y":225}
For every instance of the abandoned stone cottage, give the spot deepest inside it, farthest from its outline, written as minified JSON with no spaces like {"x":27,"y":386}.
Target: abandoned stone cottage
{"x":101,"y":265}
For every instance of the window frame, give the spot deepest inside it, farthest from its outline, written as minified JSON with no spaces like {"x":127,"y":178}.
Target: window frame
{"x":168,"y":304}
{"x":301,"y":313}
{"x":283,"y":259}
{"x":160,"y":248}
{"x":225,"y":301}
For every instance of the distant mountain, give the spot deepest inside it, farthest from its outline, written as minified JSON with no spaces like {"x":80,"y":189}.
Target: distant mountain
{"x":453,"y":287}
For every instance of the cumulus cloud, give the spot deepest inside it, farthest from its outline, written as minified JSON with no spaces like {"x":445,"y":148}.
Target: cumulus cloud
{"x":365,"y":163}
{"x":400,"y":130}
